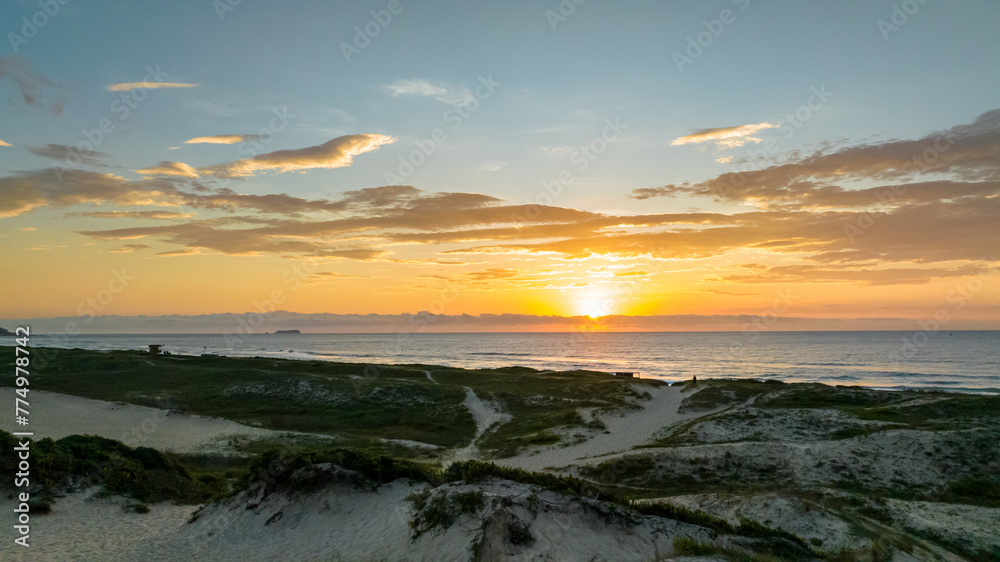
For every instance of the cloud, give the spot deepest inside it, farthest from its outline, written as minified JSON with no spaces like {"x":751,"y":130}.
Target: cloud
{"x":451,"y":94}
{"x":932,"y":225}
{"x":492,"y":167}
{"x":32,"y":86}
{"x":492,"y":274}
{"x":166,"y":168}
{"x":129,"y":86}
{"x":22,"y":192}
{"x":222,"y":139}
{"x":867,"y":276}
{"x":4,"y":143}
{"x":967,"y":153}
{"x":129,"y":248}
{"x":724,"y":137}
{"x":173,"y":253}
{"x":402,"y":323}
{"x":336,"y":153}
{"x":156,"y":215}
{"x":70,"y":154}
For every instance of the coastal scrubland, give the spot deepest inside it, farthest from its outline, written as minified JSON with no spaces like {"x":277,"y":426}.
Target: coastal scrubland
{"x":620,"y":468}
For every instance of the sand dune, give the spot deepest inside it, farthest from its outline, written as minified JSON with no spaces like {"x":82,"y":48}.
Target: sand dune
{"x":57,"y":415}
{"x":625,"y":429}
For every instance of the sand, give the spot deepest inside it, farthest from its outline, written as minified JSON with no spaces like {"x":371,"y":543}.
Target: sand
{"x":486,"y":414}
{"x":57,"y":415}
{"x":624,"y":430}
{"x":82,"y":527}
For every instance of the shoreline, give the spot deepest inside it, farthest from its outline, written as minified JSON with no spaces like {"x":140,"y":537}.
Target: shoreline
{"x":309,"y":356}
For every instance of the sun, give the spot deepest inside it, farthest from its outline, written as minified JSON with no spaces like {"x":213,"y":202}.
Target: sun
{"x":594,"y":301}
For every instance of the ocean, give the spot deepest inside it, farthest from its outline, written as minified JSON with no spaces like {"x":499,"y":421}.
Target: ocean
{"x":962,"y":361}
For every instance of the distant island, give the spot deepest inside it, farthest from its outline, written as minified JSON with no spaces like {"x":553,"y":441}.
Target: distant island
{"x":5,"y":332}
{"x":288,"y":332}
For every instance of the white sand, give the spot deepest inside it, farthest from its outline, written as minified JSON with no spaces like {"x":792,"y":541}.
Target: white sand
{"x":624,"y":430}
{"x":57,"y":415}
{"x":343,"y":523}
{"x":81,"y":527}
{"x":486,"y":414}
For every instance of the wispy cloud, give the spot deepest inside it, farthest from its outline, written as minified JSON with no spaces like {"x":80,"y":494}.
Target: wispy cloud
{"x":725,"y":137}
{"x":156,"y":215}
{"x":166,"y":168}
{"x":492,"y":166}
{"x":70,"y":154}
{"x":22,"y":192}
{"x":4,"y":143}
{"x":129,"y":248}
{"x":222,"y":139}
{"x":451,"y":94}
{"x":336,"y":153}
{"x":966,"y":152}
{"x":33,"y":86}
{"x":129,"y":86}
{"x":173,"y":253}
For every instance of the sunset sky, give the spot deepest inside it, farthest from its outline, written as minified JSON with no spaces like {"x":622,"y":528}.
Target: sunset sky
{"x":531,"y":158}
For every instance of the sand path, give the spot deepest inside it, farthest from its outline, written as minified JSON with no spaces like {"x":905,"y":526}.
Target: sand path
{"x":624,"y":430}
{"x":486,"y":415}
{"x":57,"y":415}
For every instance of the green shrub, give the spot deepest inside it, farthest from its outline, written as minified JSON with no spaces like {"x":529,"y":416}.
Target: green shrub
{"x":686,"y":546}
{"x":142,"y":473}
{"x":443,"y":509}
{"x":975,"y":491}
{"x":137,"y":507}
{"x":477,"y":471}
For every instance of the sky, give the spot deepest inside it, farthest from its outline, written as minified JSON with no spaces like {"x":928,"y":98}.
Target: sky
{"x":572,"y":158}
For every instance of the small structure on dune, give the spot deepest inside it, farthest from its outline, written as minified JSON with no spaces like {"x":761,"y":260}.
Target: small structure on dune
{"x":154,"y":350}
{"x":634,"y":375}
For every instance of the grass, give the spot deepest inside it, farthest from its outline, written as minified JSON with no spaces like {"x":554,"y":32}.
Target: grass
{"x":357,"y":402}
{"x":716,"y":393}
{"x":141,"y":473}
{"x":686,"y":546}
{"x":441,"y":510}
{"x":940,"y":411}
{"x":981,"y":491}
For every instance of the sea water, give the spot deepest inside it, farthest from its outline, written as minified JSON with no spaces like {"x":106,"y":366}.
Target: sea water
{"x":957,"y":361}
